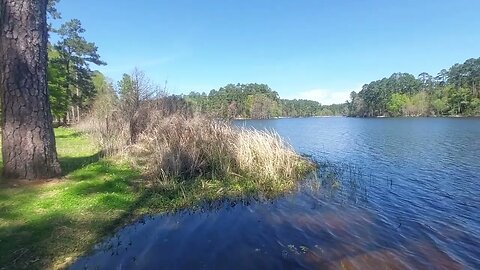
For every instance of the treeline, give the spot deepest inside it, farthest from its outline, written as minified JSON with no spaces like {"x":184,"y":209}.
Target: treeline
{"x":452,"y":92}
{"x":257,"y":101}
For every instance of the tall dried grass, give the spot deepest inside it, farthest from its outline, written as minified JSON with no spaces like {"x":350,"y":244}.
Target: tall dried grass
{"x":179,"y":148}
{"x":110,"y":133}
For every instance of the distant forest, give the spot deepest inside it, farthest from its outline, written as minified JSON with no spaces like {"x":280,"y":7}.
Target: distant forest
{"x":452,"y":92}
{"x":256,"y":101}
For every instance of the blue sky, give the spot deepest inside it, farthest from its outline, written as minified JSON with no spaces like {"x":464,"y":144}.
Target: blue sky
{"x":314,"y":49}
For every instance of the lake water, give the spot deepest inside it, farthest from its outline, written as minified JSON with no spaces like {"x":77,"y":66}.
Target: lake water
{"x":408,"y":196}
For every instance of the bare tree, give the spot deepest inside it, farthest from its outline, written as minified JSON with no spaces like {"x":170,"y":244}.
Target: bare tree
{"x":136,"y":95}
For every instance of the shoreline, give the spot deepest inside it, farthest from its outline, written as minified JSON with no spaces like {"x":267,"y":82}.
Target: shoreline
{"x":360,"y":117}
{"x":420,"y":116}
{"x":290,"y":117}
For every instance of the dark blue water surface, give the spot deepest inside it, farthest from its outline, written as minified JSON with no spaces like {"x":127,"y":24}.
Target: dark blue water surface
{"x":407,"y":197}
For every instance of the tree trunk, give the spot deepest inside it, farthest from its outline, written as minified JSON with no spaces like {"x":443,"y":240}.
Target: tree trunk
{"x":73,"y":118}
{"x":78,"y":107}
{"x":28,"y":142}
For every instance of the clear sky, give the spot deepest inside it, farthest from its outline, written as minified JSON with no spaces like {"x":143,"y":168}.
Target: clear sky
{"x":315,"y":49}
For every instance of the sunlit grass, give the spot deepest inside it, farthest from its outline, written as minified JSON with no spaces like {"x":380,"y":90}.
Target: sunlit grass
{"x":45,"y":225}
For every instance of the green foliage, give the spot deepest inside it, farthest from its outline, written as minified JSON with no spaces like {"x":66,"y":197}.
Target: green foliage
{"x":466,"y":75}
{"x":125,"y":86}
{"x":59,"y":93}
{"x":397,"y":103}
{"x":52,"y":10}
{"x":451,"y":92}
{"x":440,"y":106}
{"x":376,"y":95}
{"x":106,"y":99}
{"x":459,"y":100}
{"x":417,"y":105}
{"x":256,"y":101}
{"x":356,"y":107}
{"x":69,"y":75}
{"x":474,"y":107}
{"x":300,"y":107}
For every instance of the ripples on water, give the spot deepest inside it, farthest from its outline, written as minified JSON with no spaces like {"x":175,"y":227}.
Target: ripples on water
{"x":394,"y":194}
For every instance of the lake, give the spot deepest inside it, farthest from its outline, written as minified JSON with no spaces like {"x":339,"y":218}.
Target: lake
{"x":406,"y":195}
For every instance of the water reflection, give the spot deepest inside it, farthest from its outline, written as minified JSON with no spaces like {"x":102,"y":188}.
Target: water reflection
{"x":326,"y":226}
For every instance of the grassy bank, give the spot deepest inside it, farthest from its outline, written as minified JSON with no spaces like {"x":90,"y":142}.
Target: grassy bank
{"x":47,"y":225}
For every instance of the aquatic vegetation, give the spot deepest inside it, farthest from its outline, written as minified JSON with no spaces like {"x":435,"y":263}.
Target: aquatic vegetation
{"x":298,"y":250}
{"x":342,"y":181}
{"x":304,"y":249}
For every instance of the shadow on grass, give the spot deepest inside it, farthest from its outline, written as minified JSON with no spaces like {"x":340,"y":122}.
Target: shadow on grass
{"x":69,"y":135}
{"x":71,"y":164}
{"x":25,"y":245}
{"x":41,"y":226}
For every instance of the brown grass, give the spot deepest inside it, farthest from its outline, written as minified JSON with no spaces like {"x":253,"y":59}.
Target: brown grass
{"x":179,"y":148}
{"x":182,"y":148}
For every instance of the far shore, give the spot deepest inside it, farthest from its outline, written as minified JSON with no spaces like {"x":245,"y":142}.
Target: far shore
{"x":344,"y":116}
{"x":290,"y":117}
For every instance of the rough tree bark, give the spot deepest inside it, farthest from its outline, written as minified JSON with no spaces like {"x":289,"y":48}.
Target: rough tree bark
{"x":28,"y":142}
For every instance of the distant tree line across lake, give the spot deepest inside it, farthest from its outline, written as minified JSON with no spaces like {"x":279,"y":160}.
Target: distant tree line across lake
{"x":455,"y":91}
{"x":256,"y":101}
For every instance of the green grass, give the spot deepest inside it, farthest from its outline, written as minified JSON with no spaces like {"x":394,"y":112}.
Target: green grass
{"x":48,"y":225}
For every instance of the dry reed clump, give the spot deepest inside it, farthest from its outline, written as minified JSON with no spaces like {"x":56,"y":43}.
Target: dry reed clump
{"x":265,"y":154}
{"x":110,"y":133}
{"x":182,"y":148}
{"x":177,"y":147}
